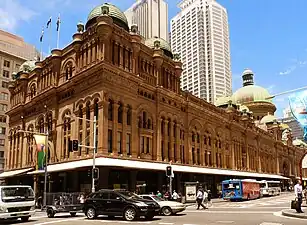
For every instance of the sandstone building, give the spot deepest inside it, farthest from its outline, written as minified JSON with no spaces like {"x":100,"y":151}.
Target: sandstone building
{"x":132,"y":87}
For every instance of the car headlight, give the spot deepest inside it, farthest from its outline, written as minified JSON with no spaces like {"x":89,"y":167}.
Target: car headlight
{"x":32,"y":208}
{"x":141,"y":204}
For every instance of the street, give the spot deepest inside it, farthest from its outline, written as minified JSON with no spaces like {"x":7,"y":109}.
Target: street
{"x":265,"y":211}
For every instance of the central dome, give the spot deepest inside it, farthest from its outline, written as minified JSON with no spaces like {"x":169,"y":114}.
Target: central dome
{"x":115,"y":13}
{"x":251,"y":93}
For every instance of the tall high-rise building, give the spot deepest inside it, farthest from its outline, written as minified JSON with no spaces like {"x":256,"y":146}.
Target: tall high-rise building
{"x":289,"y":119}
{"x":13,"y":53}
{"x":151,"y":16}
{"x":199,"y":33}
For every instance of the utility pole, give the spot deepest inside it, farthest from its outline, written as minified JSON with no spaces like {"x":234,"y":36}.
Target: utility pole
{"x":46,"y":160}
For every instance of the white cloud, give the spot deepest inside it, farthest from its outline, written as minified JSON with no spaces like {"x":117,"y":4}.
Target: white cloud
{"x":293,"y":67}
{"x":12,"y":13}
{"x":271,"y":88}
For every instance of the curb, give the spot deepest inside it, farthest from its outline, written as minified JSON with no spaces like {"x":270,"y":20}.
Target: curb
{"x":294,"y":214}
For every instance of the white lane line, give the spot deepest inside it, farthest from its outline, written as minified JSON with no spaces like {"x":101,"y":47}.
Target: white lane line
{"x":265,"y":223}
{"x":234,"y":212}
{"x":225,"y":222}
{"x":166,"y":223}
{"x":105,"y":221}
{"x":59,"y":221}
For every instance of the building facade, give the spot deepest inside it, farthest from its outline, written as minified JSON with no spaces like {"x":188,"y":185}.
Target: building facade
{"x":13,"y":52}
{"x":200,"y":34}
{"x":297,"y":129}
{"x":144,"y":120}
{"x":151,"y":16}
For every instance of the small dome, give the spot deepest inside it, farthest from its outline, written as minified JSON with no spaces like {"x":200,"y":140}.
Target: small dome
{"x":163,"y":45}
{"x":268,"y":119}
{"x":244,"y":108}
{"x":27,"y":66}
{"x":115,"y":13}
{"x":224,"y":100}
{"x":247,"y":71}
{"x":251,"y":93}
{"x":284,"y":126}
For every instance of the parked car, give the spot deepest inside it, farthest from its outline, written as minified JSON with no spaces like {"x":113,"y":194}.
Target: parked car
{"x":167,"y":207}
{"x":119,"y":203}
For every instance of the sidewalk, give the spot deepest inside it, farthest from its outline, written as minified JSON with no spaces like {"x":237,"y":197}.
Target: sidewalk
{"x":293,"y":213}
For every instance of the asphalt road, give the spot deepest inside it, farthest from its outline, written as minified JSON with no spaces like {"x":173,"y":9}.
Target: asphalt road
{"x":266,"y":211}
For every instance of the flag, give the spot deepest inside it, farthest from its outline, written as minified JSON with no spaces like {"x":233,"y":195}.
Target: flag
{"x":49,"y":22}
{"x":42,"y":35}
{"x":58,"y":22}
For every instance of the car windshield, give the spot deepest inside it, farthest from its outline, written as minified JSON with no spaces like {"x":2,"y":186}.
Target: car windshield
{"x":130,"y":195}
{"x":17,"y":194}
{"x":156,"y":198}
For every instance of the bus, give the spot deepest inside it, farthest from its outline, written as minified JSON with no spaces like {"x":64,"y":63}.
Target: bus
{"x":270,"y":187}
{"x":245,"y":189}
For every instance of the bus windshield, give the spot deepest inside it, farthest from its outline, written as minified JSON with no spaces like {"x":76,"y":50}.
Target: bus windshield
{"x":17,"y":194}
{"x":263,"y":185}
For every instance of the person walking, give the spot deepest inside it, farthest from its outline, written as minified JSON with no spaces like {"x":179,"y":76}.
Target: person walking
{"x":175,"y":196}
{"x":200,"y":198}
{"x":159,"y":194}
{"x":298,"y":190}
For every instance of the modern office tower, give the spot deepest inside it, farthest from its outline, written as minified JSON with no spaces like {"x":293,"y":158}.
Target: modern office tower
{"x":199,"y":33}
{"x":296,"y":128}
{"x":151,"y":16}
{"x":13,"y":52}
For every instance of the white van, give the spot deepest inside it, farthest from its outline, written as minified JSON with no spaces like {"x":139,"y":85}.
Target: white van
{"x":17,"y":201}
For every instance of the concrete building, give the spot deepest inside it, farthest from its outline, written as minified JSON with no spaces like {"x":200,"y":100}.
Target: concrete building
{"x":145,"y":121}
{"x":296,"y":128}
{"x":199,"y":33}
{"x":13,"y":52}
{"x":151,"y":16}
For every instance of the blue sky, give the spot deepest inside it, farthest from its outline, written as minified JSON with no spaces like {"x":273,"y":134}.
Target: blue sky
{"x":268,"y":37}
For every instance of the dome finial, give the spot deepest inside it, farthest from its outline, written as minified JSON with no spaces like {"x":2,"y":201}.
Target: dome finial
{"x":248,"y":77}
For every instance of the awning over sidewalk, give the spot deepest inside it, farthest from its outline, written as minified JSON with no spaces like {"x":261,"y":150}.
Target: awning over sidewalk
{"x":14,"y":173}
{"x":151,"y":166}
{"x":304,"y":178}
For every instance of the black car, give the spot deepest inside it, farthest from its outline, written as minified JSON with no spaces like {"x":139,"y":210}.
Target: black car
{"x":119,"y":203}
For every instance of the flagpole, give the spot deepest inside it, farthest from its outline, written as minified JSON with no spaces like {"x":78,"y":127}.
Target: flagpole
{"x":59,"y":27}
{"x":50,"y":36}
{"x":41,"y":41}
{"x":41,"y":51}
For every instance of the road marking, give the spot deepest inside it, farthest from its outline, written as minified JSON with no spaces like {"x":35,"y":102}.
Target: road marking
{"x":166,"y":223}
{"x":234,"y":212}
{"x":59,"y":221}
{"x":226,"y":222}
{"x":265,"y":223}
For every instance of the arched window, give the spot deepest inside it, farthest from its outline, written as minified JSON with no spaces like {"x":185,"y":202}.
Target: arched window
{"x":120,"y":113}
{"x":96,"y":109}
{"x":88,"y":127}
{"x":68,"y":72}
{"x":149,"y":125}
{"x":67,"y":148}
{"x":129,"y":115}
{"x":33,"y":90}
{"x":49,"y":122}
{"x":88,"y":114}
{"x":193,"y":136}
{"x":110,"y":110}
{"x":30,"y":143}
{"x":144,"y":120}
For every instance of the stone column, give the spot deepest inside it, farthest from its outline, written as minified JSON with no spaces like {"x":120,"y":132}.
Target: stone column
{"x":84,"y":132}
{"x":89,"y":56}
{"x":105,"y":126}
{"x":190,"y":148}
{"x":94,"y":52}
{"x":91,"y":136}
{"x":135,"y":137}
{"x":115,"y":123}
{"x":84,"y":57}
{"x":20,"y":157}
{"x":166,"y":151}
{"x":177,"y":150}
{"x":233,"y":160}
{"x":124,"y":133}
{"x":24,"y":151}
{"x":171,"y":138}
{"x":59,"y":147}
{"x":121,"y":55}
{"x":214,"y":152}
{"x":159,"y":139}
{"x":101,"y":132}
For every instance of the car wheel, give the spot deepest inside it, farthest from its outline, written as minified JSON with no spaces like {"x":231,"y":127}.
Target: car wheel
{"x":25,"y":219}
{"x":50,"y":213}
{"x":91,"y":213}
{"x":166,"y":211}
{"x":73,"y":214}
{"x":129,"y":214}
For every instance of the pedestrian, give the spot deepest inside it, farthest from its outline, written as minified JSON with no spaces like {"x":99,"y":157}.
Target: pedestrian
{"x":298,"y":190}
{"x":200,"y":198}
{"x":175,"y":196}
{"x":159,"y":194}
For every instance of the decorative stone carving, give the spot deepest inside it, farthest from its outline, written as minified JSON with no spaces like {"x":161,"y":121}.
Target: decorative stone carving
{"x":80,"y":27}
{"x":105,"y":10}
{"x":135,"y":29}
{"x":157,"y":44}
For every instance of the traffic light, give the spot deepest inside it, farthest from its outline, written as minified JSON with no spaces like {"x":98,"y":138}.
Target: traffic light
{"x":75,"y":145}
{"x":89,"y":173}
{"x":96,"y":173}
{"x":169,"y":171}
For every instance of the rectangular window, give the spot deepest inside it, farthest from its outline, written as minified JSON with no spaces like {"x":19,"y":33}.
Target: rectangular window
{"x":119,"y":142}
{"x":1,"y":154}
{"x":128,"y":144}
{"x":17,"y":66}
{"x":110,"y":139}
{"x":6,"y":63}
{"x":2,"y":119}
{"x":3,"y":107}
{"x":2,"y":141}
{"x":147,"y":145}
{"x":142,"y":144}
{"x":6,"y":73}
{"x":5,"y":84}
{"x":4,"y":96}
